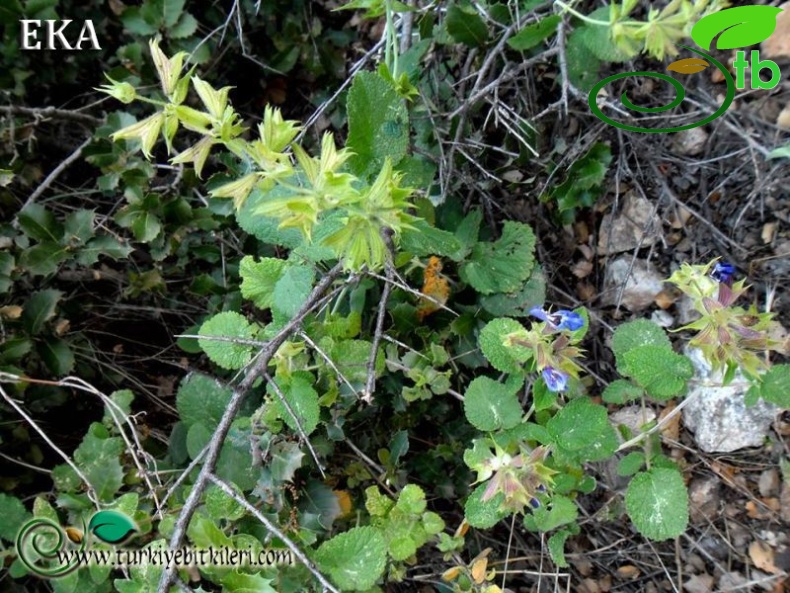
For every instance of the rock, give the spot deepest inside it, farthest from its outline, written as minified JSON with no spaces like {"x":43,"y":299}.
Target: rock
{"x":633,"y":418}
{"x":768,"y":484}
{"x":704,"y":499}
{"x":637,"y":225}
{"x":784,"y":503}
{"x":643,"y":284}
{"x":717,"y":415}
{"x":662,"y":318}
{"x":690,"y":142}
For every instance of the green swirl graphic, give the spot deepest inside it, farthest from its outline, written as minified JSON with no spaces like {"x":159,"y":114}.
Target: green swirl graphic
{"x":680,"y":94}
{"x":37,"y":547}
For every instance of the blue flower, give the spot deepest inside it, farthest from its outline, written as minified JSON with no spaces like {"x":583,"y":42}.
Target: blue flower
{"x":534,"y":503}
{"x":555,"y":379}
{"x":559,"y":320}
{"x":723,"y":272}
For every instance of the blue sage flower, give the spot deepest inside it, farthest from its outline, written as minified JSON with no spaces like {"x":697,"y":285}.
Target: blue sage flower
{"x":534,"y":503}
{"x":559,"y":320}
{"x":555,"y":379}
{"x":723,"y":272}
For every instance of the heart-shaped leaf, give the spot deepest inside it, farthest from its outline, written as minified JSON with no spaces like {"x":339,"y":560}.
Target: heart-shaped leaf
{"x":111,"y":526}
{"x":739,"y":27}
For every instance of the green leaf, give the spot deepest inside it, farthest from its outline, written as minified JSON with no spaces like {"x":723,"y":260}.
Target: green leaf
{"x":534,"y":34}
{"x":423,"y":240}
{"x":517,"y":304}
{"x":490,"y":405}
{"x":292,"y":290}
{"x":354,"y":559}
{"x":43,"y":259}
{"x":493,"y":344}
{"x":186,"y":26}
{"x":301,"y":397}
{"x":378,"y":124}
{"x":13,"y":515}
{"x":103,"y":245}
{"x":774,"y":386}
{"x":57,"y":355}
{"x":658,"y":369}
{"x":620,"y":392}
{"x":582,"y":181}
{"x":483,"y":515}
{"x":556,"y":545}
{"x":468,"y":231}
{"x":286,"y":458}
{"x":229,"y":325}
{"x":739,"y":27}
{"x":580,"y":426}
{"x":598,"y":38}
{"x":466,"y":26}
{"x":266,"y":228}
{"x":631,"y":463}
{"x":201,"y":400}
{"x":560,"y":511}
{"x":504,"y":265}
{"x":258,"y":279}
{"x":98,"y":458}
{"x":40,"y":224}
{"x":657,"y":502}
{"x":145,"y":225}
{"x":583,"y":67}
{"x":78,"y":226}
{"x":111,"y":527}
{"x":242,"y":582}
{"x":171,"y":12}
{"x":633,"y":334}
{"x":38,"y":309}
{"x":782,"y":151}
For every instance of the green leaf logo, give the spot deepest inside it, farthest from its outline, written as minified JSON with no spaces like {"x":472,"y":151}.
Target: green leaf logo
{"x":739,"y":27}
{"x":111,"y":527}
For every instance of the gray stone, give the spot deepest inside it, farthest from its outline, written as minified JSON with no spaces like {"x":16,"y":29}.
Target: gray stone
{"x":638,"y":225}
{"x":718,"y":416}
{"x":641,"y":285}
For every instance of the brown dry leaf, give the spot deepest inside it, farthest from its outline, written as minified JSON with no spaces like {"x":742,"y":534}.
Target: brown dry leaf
{"x":62,"y":326}
{"x":763,"y":556}
{"x":769,"y":232}
{"x":582,"y":269}
{"x":665,"y":299}
{"x":582,"y":232}
{"x":589,"y":586}
{"x":671,"y":430}
{"x":435,"y":286}
{"x":11,"y":311}
{"x":628,"y":571}
{"x":462,"y":529}
{"x":778,"y":44}
{"x":344,"y":500}
{"x":451,"y":574}
{"x":699,"y":583}
{"x":586,"y":291}
{"x":783,"y":119}
{"x":479,"y":570}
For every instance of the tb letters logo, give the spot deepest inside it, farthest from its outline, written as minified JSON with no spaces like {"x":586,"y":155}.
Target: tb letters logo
{"x":736,"y":27}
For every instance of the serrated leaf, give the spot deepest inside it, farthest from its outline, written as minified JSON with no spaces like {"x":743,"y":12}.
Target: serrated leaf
{"x":78,"y":226}
{"x":493,"y":345}
{"x":186,"y":26}
{"x":258,"y":279}
{"x":145,"y":225}
{"x":98,"y":458}
{"x":354,"y":559}
{"x":201,"y":400}
{"x":466,"y":26}
{"x":292,"y":289}
{"x":621,"y":391}
{"x":43,"y":259}
{"x":13,"y":515}
{"x":517,"y":304}
{"x":266,"y":228}
{"x":556,"y":545}
{"x":171,"y":11}
{"x":378,"y":124}
{"x":423,"y":240}
{"x":560,"y":511}
{"x":640,"y":332}
{"x":38,"y":309}
{"x":774,"y":386}
{"x":228,"y":325}
{"x":577,"y":425}
{"x":301,"y":397}
{"x":658,"y":369}
{"x":483,"y":515}
{"x":504,"y":265}
{"x":739,"y":27}
{"x":40,"y":223}
{"x":598,"y":39}
{"x":102,"y":245}
{"x":631,"y":463}
{"x":534,"y":34}
{"x":111,"y":527}
{"x":286,"y":458}
{"x":243,"y":582}
{"x":657,"y":503}
{"x":490,"y":405}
